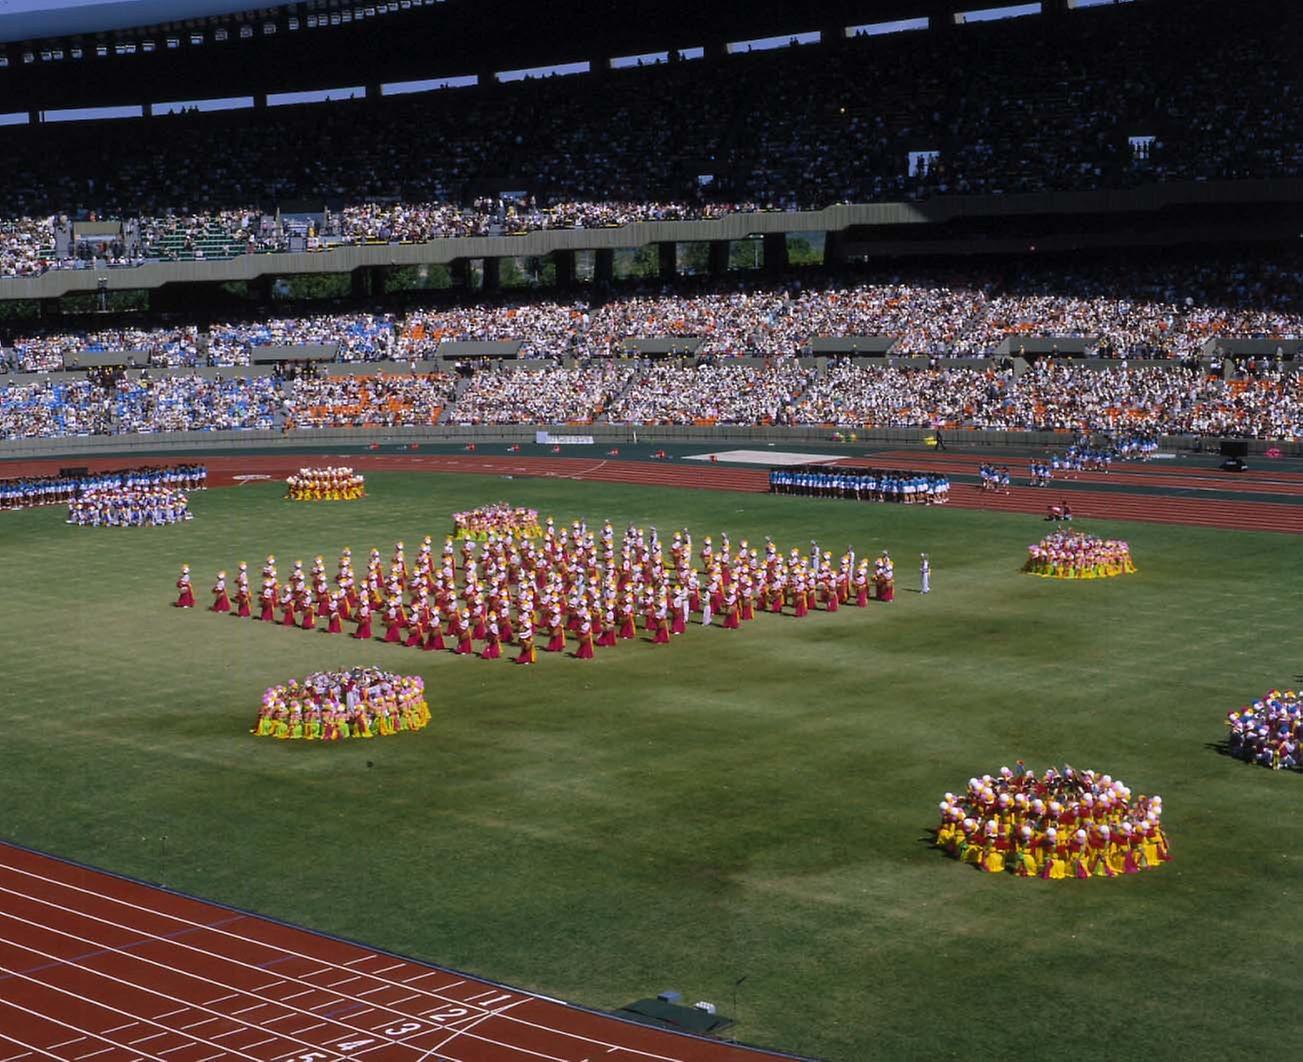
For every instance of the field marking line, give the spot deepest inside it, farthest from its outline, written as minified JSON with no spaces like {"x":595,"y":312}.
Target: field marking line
{"x":386,"y":969}
{"x":65,"y":1043}
{"x":328,"y":964}
{"x":176,"y":969}
{"x":271,"y":947}
{"x":29,"y":1048}
{"x":106,"y":1006}
{"x":153,"y":1036}
{"x":46,"y":1017}
{"x":585,"y":471}
{"x":305,"y":992}
{"x":196,"y":1024}
{"x":106,"y":1050}
{"x":465,"y":1031}
{"x":170,"y":1013}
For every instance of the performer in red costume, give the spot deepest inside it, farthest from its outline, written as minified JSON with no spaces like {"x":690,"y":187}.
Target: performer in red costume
{"x":221,"y":600}
{"x":185,"y":597}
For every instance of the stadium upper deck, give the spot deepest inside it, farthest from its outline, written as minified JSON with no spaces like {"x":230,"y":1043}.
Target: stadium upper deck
{"x":1105,"y":99}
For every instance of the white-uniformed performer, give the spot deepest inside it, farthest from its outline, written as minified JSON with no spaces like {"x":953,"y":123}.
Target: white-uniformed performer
{"x":925,"y":574}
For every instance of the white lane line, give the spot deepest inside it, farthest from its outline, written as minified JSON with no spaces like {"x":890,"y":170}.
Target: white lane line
{"x":152,"y":1036}
{"x":297,"y":995}
{"x":386,"y":969}
{"x":217,"y":931}
{"x":170,"y":1013}
{"x":104,"y":1051}
{"x":343,"y":1025}
{"x":196,"y":1024}
{"x":56,"y":1021}
{"x":245,"y":1010}
{"x":342,"y":981}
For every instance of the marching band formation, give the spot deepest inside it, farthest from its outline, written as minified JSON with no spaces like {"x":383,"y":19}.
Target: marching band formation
{"x":1268,"y":731}
{"x":480,"y":523}
{"x":33,"y":491}
{"x":335,"y":705}
{"x":861,"y":484}
{"x":129,"y":507}
{"x":575,"y":588}
{"x":324,"y":484}
{"x":1061,"y":824}
{"x":1077,"y":555}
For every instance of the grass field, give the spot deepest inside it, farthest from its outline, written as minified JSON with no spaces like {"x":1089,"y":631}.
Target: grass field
{"x":740,"y":804}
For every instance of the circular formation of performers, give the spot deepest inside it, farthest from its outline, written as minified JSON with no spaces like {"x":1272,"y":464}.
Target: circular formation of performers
{"x":1060,"y":824}
{"x":1077,"y":555}
{"x":324,"y":484}
{"x":29,"y":492}
{"x":574,"y":585}
{"x":129,"y":507}
{"x":480,"y":523}
{"x":335,"y":705}
{"x":1268,"y":731}
{"x":861,"y":484}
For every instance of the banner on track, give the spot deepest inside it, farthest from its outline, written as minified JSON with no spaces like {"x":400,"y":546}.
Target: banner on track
{"x":546,"y":438}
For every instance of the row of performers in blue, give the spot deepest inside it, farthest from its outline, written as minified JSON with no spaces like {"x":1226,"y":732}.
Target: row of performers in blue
{"x":130,"y":507}
{"x":579,"y":586}
{"x":861,"y":484}
{"x":32,"y":491}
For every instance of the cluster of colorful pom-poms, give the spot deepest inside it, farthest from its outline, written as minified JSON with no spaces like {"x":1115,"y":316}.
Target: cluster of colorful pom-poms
{"x":1077,"y":555}
{"x":1268,"y":731}
{"x":1060,"y":824}
{"x":486,"y":521}
{"x":129,"y":507}
{"x":334,"y":705}
{"x":324,"y":484}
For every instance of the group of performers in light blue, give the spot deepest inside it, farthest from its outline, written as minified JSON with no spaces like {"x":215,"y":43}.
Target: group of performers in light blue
{"x":862,"y":484}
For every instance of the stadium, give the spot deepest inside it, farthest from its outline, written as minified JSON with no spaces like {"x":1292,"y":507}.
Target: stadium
{"x":649,"y":530}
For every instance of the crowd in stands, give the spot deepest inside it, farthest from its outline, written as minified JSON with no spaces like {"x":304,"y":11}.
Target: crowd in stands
{"x":360,"y":337}
{"x":1060,"y":395}
{"x":1152,"y":309}
{"x":27,"y":246}
{"x":723,"y":392}
{"x":369,"y":401}
{"x":797,"y":128}
{"x":555,"y":395}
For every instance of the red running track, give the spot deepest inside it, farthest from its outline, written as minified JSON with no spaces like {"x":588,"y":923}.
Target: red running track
{"x":1091,"y":504}
{"x":94,"y":966}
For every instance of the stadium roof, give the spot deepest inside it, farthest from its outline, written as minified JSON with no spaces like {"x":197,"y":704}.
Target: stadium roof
{"x":22,"y":20}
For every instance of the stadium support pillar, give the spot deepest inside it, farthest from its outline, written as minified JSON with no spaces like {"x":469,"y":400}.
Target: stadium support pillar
{"x":941,"y":15}
{"x":834,"y":250}
{"x":775,"y":253}
{"x":667,"y":255}
{"x":604,"y":267}
{"x":1054,"y":8}
{"x":564,"y":261}
{"x":261,"y":288}
{"x":358,"y":286}
{"x":379,"y":281}
{"x":718,"y":263}
{"x":49,"y":309}
{"x":492,"y":274}
{"x":260,"y":101}
{"x":460,"y":268}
